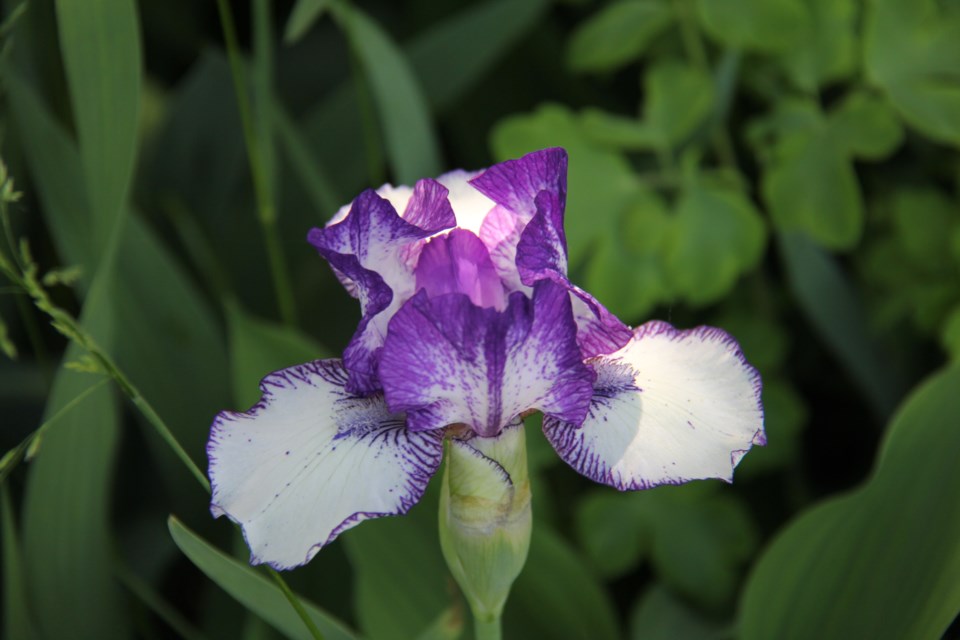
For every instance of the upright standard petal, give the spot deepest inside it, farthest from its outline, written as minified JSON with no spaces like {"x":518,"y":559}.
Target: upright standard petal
{"x":448,"y":361}
{"x":371,"y":251}
{"x":458,"y":262}
{"x":542,"y":255}
{"x":670,"y":406}
{"x":515,"y":184}
{"x":311,"y":460}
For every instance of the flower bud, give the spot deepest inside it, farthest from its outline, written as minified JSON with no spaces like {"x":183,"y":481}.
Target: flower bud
{"x":485,"y":517}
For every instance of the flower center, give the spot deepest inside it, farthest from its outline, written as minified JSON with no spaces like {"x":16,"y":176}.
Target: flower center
{"x":458,"y":262}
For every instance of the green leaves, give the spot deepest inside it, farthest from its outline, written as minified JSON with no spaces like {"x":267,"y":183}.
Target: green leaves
{"x":410,"y":140}
{"x":617,"y":34}
{"x":898,"y":534}
{"x":100,"y":41}
{"x":716,"y":235}
{"x":251,"y":589}
{"x":912,"y":51}
{"x":761,"y":25}
{"x":679,"y":98}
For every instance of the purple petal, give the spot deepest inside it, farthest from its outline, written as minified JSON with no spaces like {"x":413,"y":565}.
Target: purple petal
{"x":515,"y":184}
{"x":447,"y":361}
{"x":310,"y":460}
{"x":669,"y":407}
{"x":370,"y":250}
{"x":542,"y":255}
{"x":459,"y":263}
{"x":500,"y":233}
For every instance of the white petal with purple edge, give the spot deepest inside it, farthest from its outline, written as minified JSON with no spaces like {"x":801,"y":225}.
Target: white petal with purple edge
{"x":310,"y":460}
{"x":668,"y":407}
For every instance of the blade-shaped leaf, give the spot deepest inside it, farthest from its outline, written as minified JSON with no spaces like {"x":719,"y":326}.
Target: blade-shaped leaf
{"x":252,"y":590}
{"x":881,"y":562}
{"x":100,"y":42}
{"x":16,"y":613}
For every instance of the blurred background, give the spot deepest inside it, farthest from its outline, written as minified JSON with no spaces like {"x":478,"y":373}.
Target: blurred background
{"x":785,"y":169}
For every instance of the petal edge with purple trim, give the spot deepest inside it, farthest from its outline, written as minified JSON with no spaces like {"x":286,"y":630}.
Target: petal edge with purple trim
{"x":669,"y":407}
{"x":515,"y":184}
{"x":310,"y":460}
{"x":447,"y":361}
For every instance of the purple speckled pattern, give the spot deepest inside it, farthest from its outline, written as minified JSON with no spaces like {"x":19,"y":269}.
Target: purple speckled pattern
{"x":367,"y":249}
{"x":515,"y":184}
{"x":669,"y":407}
{"x":458,"y":262}
{"x":447,"y":361}
{"x":311,"y":460}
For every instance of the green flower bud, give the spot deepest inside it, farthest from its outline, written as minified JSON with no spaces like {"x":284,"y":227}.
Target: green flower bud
{"x":485,"y":517}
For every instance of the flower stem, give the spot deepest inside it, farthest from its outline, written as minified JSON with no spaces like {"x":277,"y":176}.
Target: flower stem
{"x":266,"y":211}
{"x":487,"y":629}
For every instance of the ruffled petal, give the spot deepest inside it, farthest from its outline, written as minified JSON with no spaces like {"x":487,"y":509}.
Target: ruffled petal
{"x":542,"y":255}
{"x":669,"y":407}
{"x":458,"y":262}
{"x":500,"y":233}
{"x":448,"y":361}
{"x":470,"y":205}
{"x":371,"y":250}
{"x":310,"y":460}
{"x":515,"y":184}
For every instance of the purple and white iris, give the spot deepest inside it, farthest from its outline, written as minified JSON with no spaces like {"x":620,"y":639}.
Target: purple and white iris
{"x":469,"y":319}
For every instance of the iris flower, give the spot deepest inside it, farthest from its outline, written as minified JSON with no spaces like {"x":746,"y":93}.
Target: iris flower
{"x":470,"y":323}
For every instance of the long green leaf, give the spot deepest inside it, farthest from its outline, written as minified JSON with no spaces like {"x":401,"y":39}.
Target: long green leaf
{"x":100,"y":41}
{"x":67,"y":539}
{"x":831,"y":305}
{"x":881,"y":562}
{"x":255,"y":592}
{"x":16,"y":612}
{"x":410,"y":139}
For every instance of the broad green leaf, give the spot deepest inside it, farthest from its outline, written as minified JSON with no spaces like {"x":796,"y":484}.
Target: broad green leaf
{"x":66,"y":531}
{"x":615,"y":538}
{"x":659,"y":615}
{"x":617,"y":34}
{"x":401,"y":581}
{"x":716,"y":236}
{"x":556,"y":597}
{"x":831,"y":305}
{"x":251,"y":589}
{"x":912,"y":51}
{"x":950,"y":335}
{"x":618,"y":132}
{"x":628,"y":275}
{"x":830,"y":53}
{"x":16,"y":611}
{"x":679,"y":97}
{"x":601,"y":183}
{"x":305,"y":13}
{"x":258,"y":347}
{"x":880,"y":562}
{"x":760,"y":25}
{"x":100,"y":43}
{"x":453,"y":56}
{"x":923,"y":220}
{"x":811,"y":187}
{"x":866,"y":125}
{"x":448,"y":626}
{"x":411,"y":142}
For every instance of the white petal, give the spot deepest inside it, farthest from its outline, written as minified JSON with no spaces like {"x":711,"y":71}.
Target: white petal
{"x":668,"y":407}
{"x":310,"y":460}
{"x":469,"y":205}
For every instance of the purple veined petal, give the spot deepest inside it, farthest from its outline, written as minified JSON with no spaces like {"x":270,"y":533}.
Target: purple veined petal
{"x":447,"y":361}
{"x":515,"y":184}
{"x":542,"y":255}
{"x":469,"y":204}
{"x":669,"y":407}
{"x":370,"y":250}
{"x":500,"y":233}
{"x":458,"y":262}
{"x":310,"y":460}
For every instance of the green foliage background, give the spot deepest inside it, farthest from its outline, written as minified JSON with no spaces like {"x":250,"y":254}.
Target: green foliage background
{"x":785,"y":169}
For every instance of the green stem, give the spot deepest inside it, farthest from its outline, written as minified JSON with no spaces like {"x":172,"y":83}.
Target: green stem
{"x":266,"y":212}
{"x":697,"y":54}
{"x":487,"y":629}
{"x":292,"y":598}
